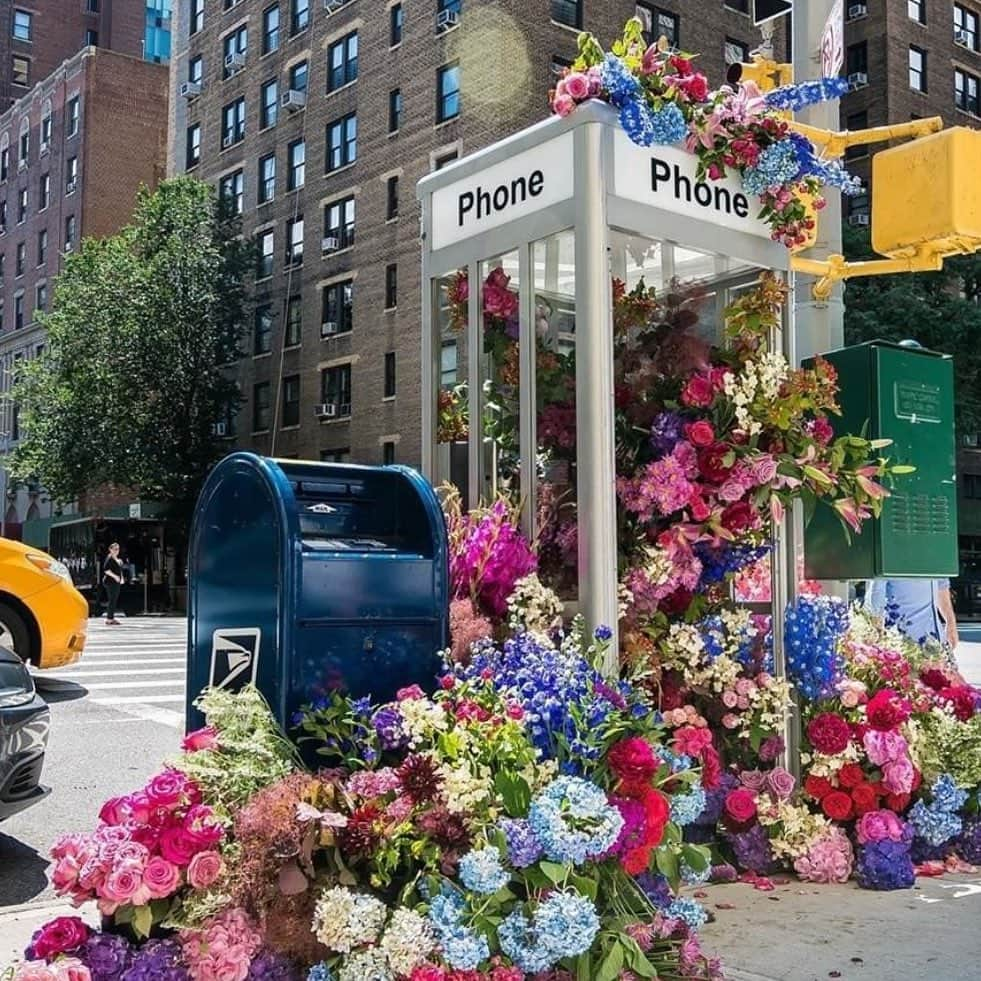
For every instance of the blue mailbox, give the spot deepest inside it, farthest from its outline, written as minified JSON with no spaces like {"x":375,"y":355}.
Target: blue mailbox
{"x":306,"y":578}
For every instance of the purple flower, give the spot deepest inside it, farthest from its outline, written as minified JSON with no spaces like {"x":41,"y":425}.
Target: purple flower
{"x":656,"y":888}
{"x":158,"y":960}
{"x":523,"y":847}
{"x":771,"y":748}
{"x":885,"y":865}
{"x":969,"y":840}
{"x":752,"y":849}
{"x":106,"y":955}
{"x":665,"y":431}
{"x":270,"y":966}
{"x":388,"y":725}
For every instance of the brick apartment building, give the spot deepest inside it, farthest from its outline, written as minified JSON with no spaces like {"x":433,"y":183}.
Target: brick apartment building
{"x":318,"y":117}
{"x":73,"y":153}
{"x":36,"y":36}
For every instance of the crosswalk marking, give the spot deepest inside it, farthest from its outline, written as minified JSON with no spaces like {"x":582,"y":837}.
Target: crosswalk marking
{"x":120,"y":673}
{"x":99,"y":685}
{"x":113,"y":662}
{"x":140,"y":699}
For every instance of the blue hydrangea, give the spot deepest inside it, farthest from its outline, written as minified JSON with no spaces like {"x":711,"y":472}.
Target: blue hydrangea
{"x":564,"y":925}
{"x":813,"y":627}
{"x":481,"y":871}
{"x":884,"y":865}
{"x":933,"y":825}
{"x":463,"y":948}
{"x":777,"y":167}
{"x":668,"y":124}
{"x":320,"y":972}
{"x":693,"y":877}
{"x":520,"y":943}
{"x":688,"y":911}
{"x":637,"y":122}
{"x":947,"y":796}
{"x":524,"y":848}
{"x":617,"y":80}
{"x":656,"y":888}
{"x":446,"y":910}
{"x":802,"y":94}
{"x":677,"y":761}
{"x":573,"y":820}
{"x":685,"y":808}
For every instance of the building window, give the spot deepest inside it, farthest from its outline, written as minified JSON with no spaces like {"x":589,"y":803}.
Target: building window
{"x":24,"y":141}
{"x":40,"y":297}
{"x":296,"y":158}
{"x":299,"y":15}
{"x":735,"y":52}
{"x":46,"y":130}
{"x":3,"y":220}
{"x":42,"y":247}
{"x":916,"y":10}
{"x":391,"y":286}
{"x":391,"y":198}
{"x":444,"y":160}
{"x":342,"y":142}
{"x":294,"y":241}
{"x":335,"y":386}
{"x":18,"y":311}
{"x":294,"y":321}
{"x":395,"y":21}
{"x":917,"y":68}
{"x":231,"y":190}
{"x":44,"y":192}
{"x":264,"y":256}
{"x":195,"y":70}
{"x":4,"y":159}
{"x":966,"y":91}
{"x":268,"y":103}
{"x":966,"y":27}
{"x":388,"y":452}
{"x":21,"y":260}
{"x":91,"y":38}
{"x":339,"y":222}
{"x":21,"y":71}
{"x":568,"y":12}
{"x":71,"y":175}
{"x":235,"y":43}
{"x":262,"y":332}
{"x":71,"y":115}
{"x":192,"y":155}
{"x":337,"y":303}
{"x":22,"y":206}
{"x":394,"y":110}
{"x":22,"y":25}
{"x":71,"y":226}
{"x":853,"y":122}
{"x":857,"y":58}
{"x":260,"y":407}
{"x":196,"y":18}
{"x":298,"y":77}
{"x":341,"y":455}
{"x":267,"y":178}
{"x":270,"y":29}
{"x":291,"y":400}
{"x":233,"y":123}
{"x":390,"y":375}
{"x":658,"y":23}
{"x":447,"y":92}
{"x":858,"y":204}
{"x":342,"y":62}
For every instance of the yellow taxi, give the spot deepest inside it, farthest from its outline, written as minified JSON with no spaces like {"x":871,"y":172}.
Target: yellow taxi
{"x":43,"y":617}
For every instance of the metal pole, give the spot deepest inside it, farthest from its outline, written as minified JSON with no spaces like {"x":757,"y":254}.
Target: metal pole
{"x":595,"y":451}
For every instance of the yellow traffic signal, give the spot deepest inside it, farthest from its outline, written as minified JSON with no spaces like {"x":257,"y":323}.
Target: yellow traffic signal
{"x":928,"y":193}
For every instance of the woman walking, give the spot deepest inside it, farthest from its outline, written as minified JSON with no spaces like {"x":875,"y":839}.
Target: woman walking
{"x":112,"y":576}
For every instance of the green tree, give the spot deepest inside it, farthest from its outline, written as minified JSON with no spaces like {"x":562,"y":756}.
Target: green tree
{"x":941,"y":310}
{"x":131,"y":383}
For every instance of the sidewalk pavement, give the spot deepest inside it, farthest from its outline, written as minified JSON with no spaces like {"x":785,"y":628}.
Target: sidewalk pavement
{"x":968,"y":656}
{"x":18,"y":923}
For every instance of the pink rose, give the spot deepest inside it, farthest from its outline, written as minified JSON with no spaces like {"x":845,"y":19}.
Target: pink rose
{"x":411,"y":694}
{"x":698,"y":392}
{"x":701,"y":433}
{"x":162,"y":878}
{"x":116,"y":810}
{"x":131,"y":853}
{"x":753,"y":779}
{"x":780,"y":783}
{"x":177,"y":846}
{"x":730,"y":492}
{"x":740,"y":805}
{"x":121,"y":885}
{"x":202,"y":827}
{"x":764,"y":469}
{"x":744,"y":686}
{"x":65,"y":874}
{"x":879,"y":826}
{"x":166,"y":789}
{"x":33,"y":971}
{"x":140,"y":808}
{"x":730,"y":699}
{"x":897,"y":776}
{"x":562,"y":104}
{"x":884,"y":746}
{"x":742,"y":702}
{"x":59,"y":936}
{"x":70,"y":969}
{"x":849,"y":698}
{"x":577,"y":86}
{"x":730,"y":721}
{"x":204,"y":738}
{"x":690,"y":741}
{"x":205,"y":867}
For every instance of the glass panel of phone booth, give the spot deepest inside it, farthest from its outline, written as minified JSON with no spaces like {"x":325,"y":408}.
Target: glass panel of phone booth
{"x":500,"y":366}
{"x":553,"y":260}
{"x":450,"y":372}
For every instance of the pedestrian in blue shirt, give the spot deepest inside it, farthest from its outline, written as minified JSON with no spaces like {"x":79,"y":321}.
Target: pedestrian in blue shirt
{"x":921,"y":608}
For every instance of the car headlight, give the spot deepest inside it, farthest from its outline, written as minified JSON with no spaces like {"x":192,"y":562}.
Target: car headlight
{"x":16,"y":684}
{"x":53,"y":566}
{"x":12,"y":699}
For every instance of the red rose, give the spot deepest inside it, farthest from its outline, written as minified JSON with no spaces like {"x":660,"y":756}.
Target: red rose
{"x":961,"y":699}
{"x":701,"y":433}
{"x":817,"y":787}
{"x":657,"y":813}
{"x":897,"y":802}
{"x":935,"y":678}
{"x":864,"y":798}
{"x":676,"y":602}
{"x":699,"y":509}
{"x":740,"y":805}
{"x":694,"y":86}
{"x":828,"y":733}
{"x":698,"y":392}
{"x":712,"y":464}
{"x":886,"y":710}
{"x":850,"y":775}
{"x":859,"y":729}
{"x":739,"y":517}
{"x":632,"y":759}
{"x":711,"y":768}
{"x":837,"y":805}
{"x":681,"y":65}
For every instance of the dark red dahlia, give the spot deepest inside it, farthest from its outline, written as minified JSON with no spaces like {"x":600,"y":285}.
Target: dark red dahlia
{"x":420,"y":778}
{"x":361,"y":834}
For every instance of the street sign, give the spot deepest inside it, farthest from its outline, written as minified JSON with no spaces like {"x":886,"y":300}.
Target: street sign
{"x":832,"y":41}
{"x":767,"y":10}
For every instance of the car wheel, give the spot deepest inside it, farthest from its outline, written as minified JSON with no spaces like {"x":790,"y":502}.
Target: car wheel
{"x":14,"y":633}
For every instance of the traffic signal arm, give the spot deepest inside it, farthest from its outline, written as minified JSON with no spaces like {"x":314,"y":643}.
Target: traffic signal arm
{"x":928,"y":258}
{"x":834,"y":144}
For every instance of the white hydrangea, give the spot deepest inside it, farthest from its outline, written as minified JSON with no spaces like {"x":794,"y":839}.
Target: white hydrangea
{"x":366,"y":965}
{"x":408,"y":940}
{"x":798,"y":830}
{"x":532,"y":606}
{"x":463,"y":789}
{"x":422,"y":719}
{"x":343,"y":919}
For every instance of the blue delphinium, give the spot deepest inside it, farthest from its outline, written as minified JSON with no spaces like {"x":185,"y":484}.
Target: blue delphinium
{"x":617,"y":80}
{"x":885,"y":865}
{"x":668,"y":124}
{"x":688,"y":911}
{"x":573,"y":820}
{"x":813,"y":627}
{"x":524,"y":848}
{"x":481,"y":871}
{"x":685,"y":808}
{"x":721,"y":561}
{"x":776,"y":167}
{"x":809,"y":93}
{"x":602,"y":633}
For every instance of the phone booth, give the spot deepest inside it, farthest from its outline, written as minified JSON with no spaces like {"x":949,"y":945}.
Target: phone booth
{"x":518,"y":369}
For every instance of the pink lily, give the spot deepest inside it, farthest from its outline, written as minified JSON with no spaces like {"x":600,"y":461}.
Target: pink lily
{"x":876,"y":491}
{"x":852,"y":512}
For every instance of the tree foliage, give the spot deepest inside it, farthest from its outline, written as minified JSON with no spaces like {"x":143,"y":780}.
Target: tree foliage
{"x":131,"y":382}
{"x":941,"y":310}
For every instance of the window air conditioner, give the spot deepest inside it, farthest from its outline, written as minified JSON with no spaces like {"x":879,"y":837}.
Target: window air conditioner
{"x":858,"y":80}
{"x":235,"y":61}
{"x":962,"y":37}
{"x":328,"y":328}
{"x":190,"y":89}
{"x":294,"y":100}
{"x":858,"y":219}
{"x":857,"y":10}
{"x":446,"y":19}
{"x":345,"y":409}
{"x":326,"y":410}
{"x":330,"y":244}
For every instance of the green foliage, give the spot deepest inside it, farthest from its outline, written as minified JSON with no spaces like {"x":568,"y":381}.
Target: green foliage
{"x":941,"y":310}
{"x":130,"y":385}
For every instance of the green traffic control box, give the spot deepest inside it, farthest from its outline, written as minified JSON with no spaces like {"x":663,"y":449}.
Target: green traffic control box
{"x":906,"y":394}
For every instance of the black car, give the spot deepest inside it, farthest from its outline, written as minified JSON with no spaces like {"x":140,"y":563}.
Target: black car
{"x":24,"y":723}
